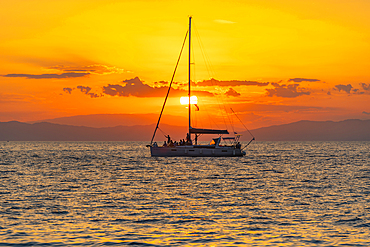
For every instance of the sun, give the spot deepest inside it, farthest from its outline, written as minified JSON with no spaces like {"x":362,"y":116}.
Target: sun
{"x":185,"y":100}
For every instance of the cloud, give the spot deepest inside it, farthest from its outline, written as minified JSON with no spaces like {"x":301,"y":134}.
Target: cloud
{"x":347,"y":88}
{"x":164,"y":82}
{"x":367,"y":113}
{"x":135,"y":87}
{"x":67,"y":90}
{"x":231,"y":83}
{"x":302,"y":79}
{"x":286,"y":91}
{"x":49,"y":76}
{"x":224,"y":21}
{"x":94,"y":95}
{"x":365,"y":86}
{"x":72,"y":72}
{"x":84,"y":90}
{"x":93,"y":69}
{"x":232,"y":92}
{"x":357,"y":91}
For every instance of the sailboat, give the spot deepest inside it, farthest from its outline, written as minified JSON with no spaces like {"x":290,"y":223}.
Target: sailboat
{"x":190,"y":147}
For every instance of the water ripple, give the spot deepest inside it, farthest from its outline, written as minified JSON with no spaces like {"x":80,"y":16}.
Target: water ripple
{"x":113,"y":193}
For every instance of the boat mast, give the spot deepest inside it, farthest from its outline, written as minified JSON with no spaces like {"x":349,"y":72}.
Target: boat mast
{"x":189,"y":92}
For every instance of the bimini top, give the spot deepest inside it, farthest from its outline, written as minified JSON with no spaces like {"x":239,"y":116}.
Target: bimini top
{"x":207,"y":131}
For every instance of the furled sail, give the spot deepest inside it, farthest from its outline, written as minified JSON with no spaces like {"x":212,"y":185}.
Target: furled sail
{"x":207,"y":131}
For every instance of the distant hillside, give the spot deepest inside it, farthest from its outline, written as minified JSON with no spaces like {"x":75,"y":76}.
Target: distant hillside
{"x":17,"y":131}
{"x":347,"y":130}
{"x":112,"y":120}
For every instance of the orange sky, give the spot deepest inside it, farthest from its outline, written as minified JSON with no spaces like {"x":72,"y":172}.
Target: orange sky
{"x":272,"y":61}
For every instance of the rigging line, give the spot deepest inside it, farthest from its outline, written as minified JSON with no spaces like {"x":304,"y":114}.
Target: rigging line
{"x":220,"y":98}
{"x":242,"y":124}
{"x":169,"y":87}
{"x":164,"y":133}
{"x":207,"y":61}
{"x":228,"y":116}
{"x":211,"y":120}
{"x":211,"y":74}
{"x":248,"y":143}
{"x":219,"y":104}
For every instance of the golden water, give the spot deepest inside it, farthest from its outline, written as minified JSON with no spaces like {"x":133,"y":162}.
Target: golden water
{"x":114,"y":193}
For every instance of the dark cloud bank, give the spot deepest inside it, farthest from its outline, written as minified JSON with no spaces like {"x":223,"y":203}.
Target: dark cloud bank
{"x":83,"y":89}
{"x":232,"y":92}
{"x":286,"y":91}
{"x":49,"y":76}
{"x":135,"y":87}
{"x":346,"y":88}
{"x":365,"y":86}
{"x":302,"y":80}
{"x":93,"y":68}
{"x":349,"y":89}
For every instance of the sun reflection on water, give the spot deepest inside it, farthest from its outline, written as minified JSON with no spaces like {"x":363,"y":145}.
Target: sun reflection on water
{"x":114,"y":193}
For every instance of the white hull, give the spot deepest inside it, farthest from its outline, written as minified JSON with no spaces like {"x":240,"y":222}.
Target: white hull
{"x":195,"y":151}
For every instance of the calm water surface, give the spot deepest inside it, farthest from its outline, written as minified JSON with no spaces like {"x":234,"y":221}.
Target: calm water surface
{"x":114,"y":193}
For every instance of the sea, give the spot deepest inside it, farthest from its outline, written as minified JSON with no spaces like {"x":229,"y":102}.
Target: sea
{"x":115,"y":194}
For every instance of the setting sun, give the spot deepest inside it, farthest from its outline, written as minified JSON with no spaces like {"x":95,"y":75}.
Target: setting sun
{"x":185,"y":100}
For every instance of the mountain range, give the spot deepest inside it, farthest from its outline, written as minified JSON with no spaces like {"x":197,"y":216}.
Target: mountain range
{"x":347,"y":130}
{"x":113,"y":120}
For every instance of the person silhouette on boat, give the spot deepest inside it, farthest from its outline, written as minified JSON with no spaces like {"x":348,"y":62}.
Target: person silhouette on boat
{"x":238,"y":145}
{"x":168,"y":138}
{"x":188,"y":138}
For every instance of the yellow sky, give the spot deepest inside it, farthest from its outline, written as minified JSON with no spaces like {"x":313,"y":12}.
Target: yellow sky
{"x":313,"y":54}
